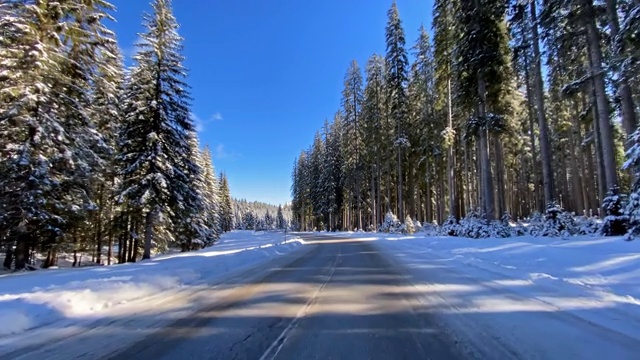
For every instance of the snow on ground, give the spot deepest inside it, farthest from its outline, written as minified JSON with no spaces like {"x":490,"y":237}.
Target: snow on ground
{"x":535,"y":297}
{"x":34,"y":299}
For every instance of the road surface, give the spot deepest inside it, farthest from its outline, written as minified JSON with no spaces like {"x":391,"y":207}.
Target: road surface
{"x":335,"y":299}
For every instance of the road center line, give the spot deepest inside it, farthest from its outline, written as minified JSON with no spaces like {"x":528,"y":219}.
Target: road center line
{"x":277,"y":345}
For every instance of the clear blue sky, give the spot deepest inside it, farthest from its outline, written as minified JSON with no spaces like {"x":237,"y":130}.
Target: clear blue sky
{"x":266,"y":74}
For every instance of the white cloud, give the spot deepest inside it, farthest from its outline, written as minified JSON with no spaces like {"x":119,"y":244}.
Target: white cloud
{"x":197,"y":122}
{"x":217,"y":116}
{"x":221,"y":153}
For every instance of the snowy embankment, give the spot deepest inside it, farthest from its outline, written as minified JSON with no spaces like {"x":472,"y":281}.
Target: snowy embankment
{"x":534,"y":296}
{"x":34,"y":299}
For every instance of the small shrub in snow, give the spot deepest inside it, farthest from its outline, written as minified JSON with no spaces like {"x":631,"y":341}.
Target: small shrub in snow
{"x":409,"y":227}
{"x":391,"y":224}
{"x":587,"y":225}
{"x":450,"y":226}
{"x":417,"y":225}
{"x":502,"y":228}
{"x":431,"y":229}
{"x":615,"y":221}
{"x":474,"y":226}
{"x":632,"y":212}
{"x":558,"y":223}
{"x":518,"y":229}
{"x":536,"y":224}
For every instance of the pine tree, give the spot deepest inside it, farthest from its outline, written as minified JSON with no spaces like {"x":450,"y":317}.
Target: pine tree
{"x":226,"y":210}
{"x":156,"y":161}
{"x":212,"y":197}
{"x":480,"y":77}
{"x":396,"y":81}
{"x":352,"y":98}
{"x":444,"y":39}
{"x":373,"y":111}
{"x":50,"y":53}
{"x":280,"y":221}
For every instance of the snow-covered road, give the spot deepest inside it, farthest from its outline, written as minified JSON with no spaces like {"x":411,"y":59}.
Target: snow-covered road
{"x":533,"y":298}
{"x":356,"y":296}
{"x":50,"y":304}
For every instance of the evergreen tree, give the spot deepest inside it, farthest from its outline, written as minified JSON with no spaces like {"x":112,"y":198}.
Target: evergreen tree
{"x":156,"y":162}
{"x":374,"y":139}
{"x":48,"y":62}
{"x":352,"y":149}
{"x":226,"y":210}
{"x":396,"y":81}
{"x":444,"y":27}
{"x":212,"y":197}
{"x":281,"y":223}
{"x":481,"y":77}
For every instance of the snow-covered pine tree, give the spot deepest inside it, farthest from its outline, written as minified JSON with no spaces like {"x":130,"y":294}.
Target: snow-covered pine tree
{"x":106,"y":110}
{"x":331,"y":175}
{"x":194,"y":230}
{"x":212,"y":194}
{"x":156,"y":163}
{"x":226,"y":210}
{"x":268,"y":221}
{"x":409,"y":226}
{"x":280,"y":222}
{"x":481,"y":77}
{"x":373,"y":111}
{"x":396,"y":79}
{"x":316,"y":192}
{"x":49,"y":59}
{"x":444,"y":35}
{"x":352,"y":147}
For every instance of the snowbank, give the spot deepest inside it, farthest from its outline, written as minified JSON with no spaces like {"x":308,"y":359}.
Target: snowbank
{"x":578,"y":297}
{"x":30,"y":300}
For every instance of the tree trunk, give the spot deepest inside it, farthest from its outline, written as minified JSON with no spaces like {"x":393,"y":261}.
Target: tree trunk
{"x":411,"y":194}
{"x":624,"y":90}
{"x":577,"y":160}
{"x":136,"y":242}
{"x":8,"y":258}
{"x":110,"y":247}
{"x":101,"y":206}
{"x":468,"y":193}
{"x":400,"y":185}
{"x":451,"y":159}
{"x":534,"y":155}
{"x":545,"y":145}
{"x":602,"y":182}
{"x":148,"y":233}
{"x":500,"y":182}
{"x":485,"y":162}
{"x":379,"y":191}
{"x":21,"y":251}
{"x":427,"y":202}
{"x":597,"y":73}
{"x":132,"y":235}
{"x":374,"y":204}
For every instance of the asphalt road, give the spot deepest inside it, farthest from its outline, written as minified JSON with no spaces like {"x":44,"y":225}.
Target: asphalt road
{"x":339,"y":300}
{"x":334,"y":299}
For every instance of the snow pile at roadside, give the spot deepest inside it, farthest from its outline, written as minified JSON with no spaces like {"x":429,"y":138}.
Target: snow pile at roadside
{"x":607,"y":266}
{"x":29,"y":300}
{"x":529,"y":291}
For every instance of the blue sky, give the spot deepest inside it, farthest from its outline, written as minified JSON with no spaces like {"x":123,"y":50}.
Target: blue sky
{"x":266,"y":74}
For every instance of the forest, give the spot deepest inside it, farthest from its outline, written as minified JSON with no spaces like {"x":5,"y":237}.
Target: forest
{"x":98,"y":157}
{"x":507,"y":110}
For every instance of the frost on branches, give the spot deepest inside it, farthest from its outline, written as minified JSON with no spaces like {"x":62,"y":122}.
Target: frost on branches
{"x":391,"y":224}
{"x":632,"y":213}
{"x":409,"y":226}
{"x":615,"y":221}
